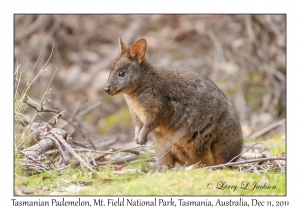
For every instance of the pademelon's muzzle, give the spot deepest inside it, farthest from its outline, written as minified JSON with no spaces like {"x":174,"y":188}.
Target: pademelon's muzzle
{"x":111,"y":90}
{"x":107,"y":90}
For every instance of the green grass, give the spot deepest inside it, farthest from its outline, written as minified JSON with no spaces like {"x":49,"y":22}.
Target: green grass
{"x":277,"y":144}
{"x":196,"y":182}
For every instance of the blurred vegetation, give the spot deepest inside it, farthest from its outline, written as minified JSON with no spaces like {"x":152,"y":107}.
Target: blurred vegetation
{"x":245,"y":55}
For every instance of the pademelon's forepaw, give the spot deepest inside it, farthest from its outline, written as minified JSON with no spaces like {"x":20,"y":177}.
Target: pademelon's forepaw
{"x":142,"y":141}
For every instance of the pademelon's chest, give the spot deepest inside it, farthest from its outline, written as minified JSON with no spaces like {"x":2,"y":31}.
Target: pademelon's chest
{"x":136,"y":107}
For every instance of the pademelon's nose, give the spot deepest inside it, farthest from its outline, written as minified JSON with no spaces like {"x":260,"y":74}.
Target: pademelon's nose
{"x":107,"y":89}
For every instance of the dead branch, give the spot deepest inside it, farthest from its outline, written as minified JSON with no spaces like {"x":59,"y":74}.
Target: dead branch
{"x":97,"y":157}
{"x":128,"y":171}
{"x":66,"y":145}
{"x":37,"y":149}
{"x":80,"y":132}
{"x":119,"y":160}
{"x":30,"y":159}
{"x":39,"y":107}
{"x":87,"y":110}
{"x":267,"y":129}
{"x":113,"y":150}
{"x":75,"y":112}
{"x":48,"y":137}
{"x":266,"y":154}
{"x":242,"y":152}
{"x":243,"y":162}
{"x":126,"y":150}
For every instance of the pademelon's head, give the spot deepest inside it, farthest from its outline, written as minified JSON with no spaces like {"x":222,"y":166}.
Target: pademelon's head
{"x":125,"y":74}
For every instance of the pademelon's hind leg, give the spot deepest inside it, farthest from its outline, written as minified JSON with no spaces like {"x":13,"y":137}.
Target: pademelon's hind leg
{"x":225,"y":152}
{"x":218,"y":154}
{"x":168,"y":160}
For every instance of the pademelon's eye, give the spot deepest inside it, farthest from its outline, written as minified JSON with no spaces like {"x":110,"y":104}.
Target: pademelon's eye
{"x":121,"y":73}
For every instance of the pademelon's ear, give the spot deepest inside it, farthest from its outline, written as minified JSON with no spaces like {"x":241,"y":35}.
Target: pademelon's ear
{"x":122,"y":46}
{"x":138,"y":50}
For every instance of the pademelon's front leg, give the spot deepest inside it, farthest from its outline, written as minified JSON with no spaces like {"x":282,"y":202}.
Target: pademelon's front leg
{"x":151,"y":112}
{"x":146,"y":129}
{"x":138,"y":125}
{"x":141,"y":131}
{"x":137,"y":130}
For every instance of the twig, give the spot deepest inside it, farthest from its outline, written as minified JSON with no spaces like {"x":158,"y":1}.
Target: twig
{"x":71,"y":151}
{"x":95,"y":151}
{"x":127,"y":150}
{"x":87,"y":110}
{"x":50,"y":152}
{"x":18,"y":192}
{"x":40,"y":108}
{"x":168,"y":150}
{"x":268,"y":155}
{"x":62,"y":153}
{"x":254,"y":169}
{"x":34,"y":132}
{"x":108,"y":142}
{"x":97,"y":157}
{"x":80,"y":132}
{"x":262,"y":146}
{"x":217,"y":44}
{"x":129,"y":171}
{"x":93,"y":160}
{"x":119,"y":160}
{"x":266,"y":129}
{"x":46,"y":168}
{"x":76,"y":111}
{"x":35,"y":150}
{"x":243,"y":152}
{"x":111,"y":151}
{"x":243,"y":162}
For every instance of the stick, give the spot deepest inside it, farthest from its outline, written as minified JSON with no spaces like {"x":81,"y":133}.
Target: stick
{"x":97,"y":157}
{"x":80,"y":132}
{"x":72,"y":151}
{"x":34,"y":160}
{"x":267,"y":155}
{"x":87,"y":110}
{"x":119,"y":160}
{"x":243,"y":162}
{"x":35,"y":150}
{"x":266,"y":129}
{"x":243,"y":152}
{"x":40,"y":108}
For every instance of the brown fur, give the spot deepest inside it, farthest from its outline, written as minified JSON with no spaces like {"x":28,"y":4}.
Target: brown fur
{"x":190,"y":117}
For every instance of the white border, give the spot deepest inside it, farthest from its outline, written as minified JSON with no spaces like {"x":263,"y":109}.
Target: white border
{"x":153,"y":6}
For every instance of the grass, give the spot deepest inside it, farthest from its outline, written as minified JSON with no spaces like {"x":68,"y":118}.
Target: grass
{"x":195,"y":182}
{"x":20,"y":93}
